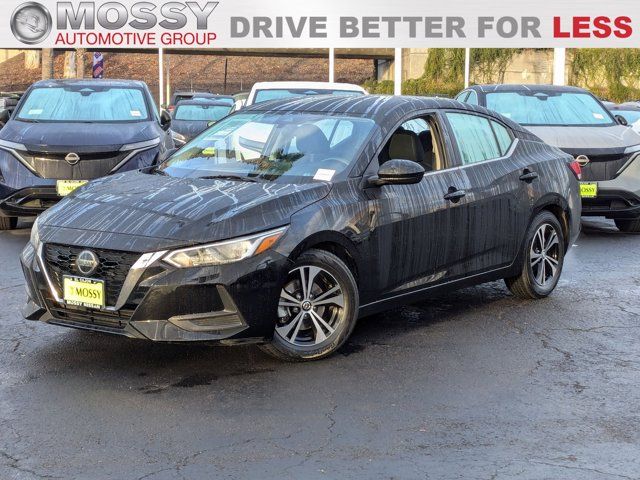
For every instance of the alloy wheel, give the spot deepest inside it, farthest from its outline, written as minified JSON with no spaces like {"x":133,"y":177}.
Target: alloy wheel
{"x":545,"y":255}
{"x":311,"y":307}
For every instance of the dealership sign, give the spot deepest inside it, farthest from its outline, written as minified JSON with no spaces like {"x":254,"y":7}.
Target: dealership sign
{"x":282,"y":24}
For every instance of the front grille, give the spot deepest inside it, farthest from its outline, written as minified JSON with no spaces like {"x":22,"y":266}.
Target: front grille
{"x":90,"y":166}
{"x":114,"y":267}
{"x":604,"y":167}
{"x":99,"y":318}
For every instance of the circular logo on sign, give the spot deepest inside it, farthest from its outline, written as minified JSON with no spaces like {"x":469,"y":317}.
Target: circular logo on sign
{"x":31,"y":23}
{"x":87,"y":262}
{"x":72,"y":158}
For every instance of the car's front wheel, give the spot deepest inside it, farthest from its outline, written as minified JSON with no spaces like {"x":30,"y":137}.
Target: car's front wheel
{"x":8,"y":223}
{"x":543,"y":254}
{"x":628,"y":226}
{"x":317,"y":310}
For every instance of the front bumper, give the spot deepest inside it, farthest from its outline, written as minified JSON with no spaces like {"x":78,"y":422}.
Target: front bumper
{"x":235,"y":303}
{"x":618,"y":198}
{"x":28,"y":202}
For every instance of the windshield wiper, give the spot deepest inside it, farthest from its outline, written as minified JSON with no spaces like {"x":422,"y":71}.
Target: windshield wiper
{"x":229,"y":177}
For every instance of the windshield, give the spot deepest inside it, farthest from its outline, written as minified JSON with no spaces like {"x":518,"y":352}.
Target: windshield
{"x":84,"y":104}
{"x":269,"y":146}
{"x":276,"y":94}
{"x":202,"y":113}
{"x":549,"y":108}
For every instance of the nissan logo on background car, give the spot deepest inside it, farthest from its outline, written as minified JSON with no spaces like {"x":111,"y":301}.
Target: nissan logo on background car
{"x":31,"y":23}
{"x":72,"y":159}
{"x":87,"y":262}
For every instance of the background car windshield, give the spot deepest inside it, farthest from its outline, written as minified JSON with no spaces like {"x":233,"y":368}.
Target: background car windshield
{"x":538,"y":108}
{"x":272,"y":145}
{"x":202,"y":113}
{"x":276,"y":94}
{"x":631,"y":116}
{"x":86,"y":104}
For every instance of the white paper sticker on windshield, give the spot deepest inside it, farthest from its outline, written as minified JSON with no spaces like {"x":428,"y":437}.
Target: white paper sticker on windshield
{"x":324,"y":174}
{"x":598,"y":116}
{"x":36,"y":112}
{"x":136,"y":113}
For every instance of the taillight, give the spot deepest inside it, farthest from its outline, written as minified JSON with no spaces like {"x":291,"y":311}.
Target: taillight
{"x":576,"y":169}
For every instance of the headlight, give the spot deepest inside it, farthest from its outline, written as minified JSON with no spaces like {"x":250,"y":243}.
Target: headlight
{"x":35,"y":235}
{"x":224,"y":252}
{"x":635,"y":148}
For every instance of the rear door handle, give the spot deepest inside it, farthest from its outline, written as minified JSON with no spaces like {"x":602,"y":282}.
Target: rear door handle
{"x":455,"y":195}
{"x":528,"y":176}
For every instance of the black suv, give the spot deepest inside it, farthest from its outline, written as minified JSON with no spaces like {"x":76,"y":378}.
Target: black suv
{"x":66,"y":132}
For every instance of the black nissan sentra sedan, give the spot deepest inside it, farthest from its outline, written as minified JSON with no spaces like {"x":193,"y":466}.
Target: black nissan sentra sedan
{"x":286,"y":222}
{"x":574,"y":120}
{"x":66,"y":132}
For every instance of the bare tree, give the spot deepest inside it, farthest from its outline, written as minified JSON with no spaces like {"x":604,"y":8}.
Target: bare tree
{"x":47,"y":63}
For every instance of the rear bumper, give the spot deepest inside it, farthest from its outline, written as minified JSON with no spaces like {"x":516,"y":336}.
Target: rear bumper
{"x":236,"y":303}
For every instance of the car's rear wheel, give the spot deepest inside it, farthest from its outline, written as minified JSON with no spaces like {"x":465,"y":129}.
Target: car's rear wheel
{"x":543,"y":254}
{"x":318,"y":308}
{"x":628,"y":226}
{"x":8,"y":223}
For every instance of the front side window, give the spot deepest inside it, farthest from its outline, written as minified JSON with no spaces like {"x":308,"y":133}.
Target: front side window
{"x":277,"y":94}
{"x":201,"y":113}
{"x":84,"y":104}
{"x":271,"y":146}
{"x":550,"y":108}
{"x":475,"y":138}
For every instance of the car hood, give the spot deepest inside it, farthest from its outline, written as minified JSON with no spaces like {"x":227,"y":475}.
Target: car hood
{"x":189,"y":129}
{"x":141,"y":212}
{"x":588,"y":140}
{"x":76,"y":137}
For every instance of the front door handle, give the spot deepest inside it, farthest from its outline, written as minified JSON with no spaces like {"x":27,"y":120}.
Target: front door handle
{"x":454,"y":195}
{"x":528,"y":176}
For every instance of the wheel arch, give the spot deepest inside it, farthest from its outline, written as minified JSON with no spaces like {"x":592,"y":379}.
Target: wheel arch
{"x":333,"y":242}
{"x":559,"y":207}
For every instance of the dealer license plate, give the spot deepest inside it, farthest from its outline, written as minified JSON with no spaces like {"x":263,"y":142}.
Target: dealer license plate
{"x":66,"y":187}
{"x":83,"y":292}
{"x":588,"y":190}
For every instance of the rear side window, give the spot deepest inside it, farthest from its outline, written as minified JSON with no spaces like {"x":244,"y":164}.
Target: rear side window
{"x":475,"y":138}
{"x":503,"y":136}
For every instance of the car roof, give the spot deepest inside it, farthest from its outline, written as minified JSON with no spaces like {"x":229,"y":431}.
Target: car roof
{"x":631,"y":106}
{"x":505,"y":87}
{"x":89,"y":82}
{"x":203,"y":101}
{"x":316,"y":85}
{"x":379,"y":108}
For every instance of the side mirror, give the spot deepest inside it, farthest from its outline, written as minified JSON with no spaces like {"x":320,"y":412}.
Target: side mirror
{"x":398,"y":172}
{"x":621,"y":120}
{"x":165,"y":120}
{"x":5,"y":116}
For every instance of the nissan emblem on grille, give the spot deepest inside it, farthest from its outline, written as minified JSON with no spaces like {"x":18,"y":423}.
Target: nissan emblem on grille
{"x":72,"y":158}
{"x":87,"y":262}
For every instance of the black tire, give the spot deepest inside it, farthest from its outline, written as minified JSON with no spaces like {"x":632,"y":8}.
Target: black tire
{"x":335,"y":271}
{"x":628,"y":226}
{"x":8,"y":223}
{"x":532,"y":282}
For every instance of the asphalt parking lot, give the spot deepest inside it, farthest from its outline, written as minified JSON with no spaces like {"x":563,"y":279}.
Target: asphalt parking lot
{"x":473,"y":384}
